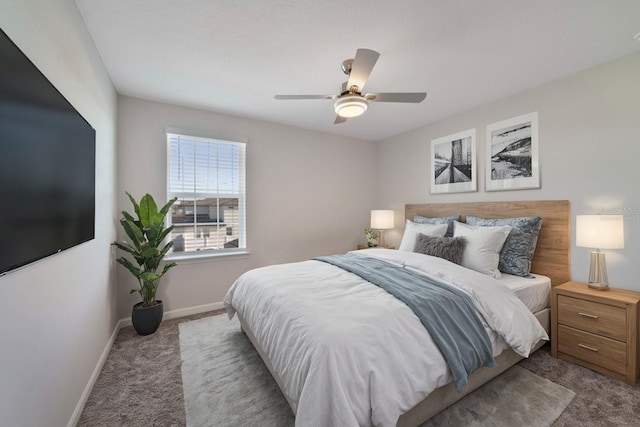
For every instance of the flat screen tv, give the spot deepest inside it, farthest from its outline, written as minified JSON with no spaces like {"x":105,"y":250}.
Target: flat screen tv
{"x":47,"y":165}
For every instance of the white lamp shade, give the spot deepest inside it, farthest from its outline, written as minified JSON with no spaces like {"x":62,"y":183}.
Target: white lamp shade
{"x":600,"y":231}
{"x":382,"y":219}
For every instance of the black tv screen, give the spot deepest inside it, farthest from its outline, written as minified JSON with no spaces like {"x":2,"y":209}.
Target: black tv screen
{"x":47,"y":165}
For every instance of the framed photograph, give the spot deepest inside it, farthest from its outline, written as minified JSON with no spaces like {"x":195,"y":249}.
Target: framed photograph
{"x":453,"y":163}
{"x":512,"y":154}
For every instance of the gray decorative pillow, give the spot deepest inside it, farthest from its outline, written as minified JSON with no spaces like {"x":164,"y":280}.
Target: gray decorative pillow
{"x":449,"y":220}
{"x":517,"y":251}
{"x":449,"y":248}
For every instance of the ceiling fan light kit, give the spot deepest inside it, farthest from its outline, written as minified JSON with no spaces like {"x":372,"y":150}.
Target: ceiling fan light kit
{"x":352,"y":102}
{"x":351,"y":106}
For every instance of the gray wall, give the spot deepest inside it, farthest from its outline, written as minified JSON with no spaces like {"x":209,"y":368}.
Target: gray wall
{"x":589,"y":139}
{"x":308,"y":194}
{"x":57,"y":315}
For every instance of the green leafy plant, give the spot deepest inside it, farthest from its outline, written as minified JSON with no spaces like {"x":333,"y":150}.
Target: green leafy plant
{"x":372,"y":236}
{"x":147,"y":233}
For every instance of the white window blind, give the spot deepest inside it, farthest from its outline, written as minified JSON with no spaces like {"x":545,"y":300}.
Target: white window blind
{"x":207,"y":175}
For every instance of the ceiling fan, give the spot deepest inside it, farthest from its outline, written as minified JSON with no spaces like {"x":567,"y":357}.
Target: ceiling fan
{"x":351,"y":102}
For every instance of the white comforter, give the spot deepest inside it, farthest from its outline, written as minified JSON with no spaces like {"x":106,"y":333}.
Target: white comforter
{"x":350,"y":354}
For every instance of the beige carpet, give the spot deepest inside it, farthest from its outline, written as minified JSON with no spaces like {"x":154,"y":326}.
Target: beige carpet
{"x":226,"y":384}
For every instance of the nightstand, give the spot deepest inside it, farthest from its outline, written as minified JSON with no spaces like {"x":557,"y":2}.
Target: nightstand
{"x":596,"y":329}
{"x":367,"y":247}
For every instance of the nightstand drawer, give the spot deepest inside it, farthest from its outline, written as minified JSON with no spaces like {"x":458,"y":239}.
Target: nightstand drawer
{"x":601,"y":319}
{"x":607,"y":353}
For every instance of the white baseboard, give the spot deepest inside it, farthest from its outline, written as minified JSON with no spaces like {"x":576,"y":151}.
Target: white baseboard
{"x":173,"y":314}
{"x":75,"y":417}
{"x":181,"y":312}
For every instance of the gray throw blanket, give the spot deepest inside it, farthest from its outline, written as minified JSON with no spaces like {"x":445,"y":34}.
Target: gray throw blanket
{"x":446,"y":312}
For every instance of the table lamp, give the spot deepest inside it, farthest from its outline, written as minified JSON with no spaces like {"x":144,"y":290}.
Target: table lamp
{"x":381,"y":220}
{"x":599,"y":232}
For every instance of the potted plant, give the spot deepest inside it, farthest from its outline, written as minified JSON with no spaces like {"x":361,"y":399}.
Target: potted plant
{"x":372,"y":237}
{"x":147,"y":233}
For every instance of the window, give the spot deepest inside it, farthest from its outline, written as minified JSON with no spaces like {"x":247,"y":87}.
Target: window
{"x":207,"y":175}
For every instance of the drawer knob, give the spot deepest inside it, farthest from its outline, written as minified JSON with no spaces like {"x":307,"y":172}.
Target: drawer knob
{"x":592,"y":316}
{"x":587,"y":347}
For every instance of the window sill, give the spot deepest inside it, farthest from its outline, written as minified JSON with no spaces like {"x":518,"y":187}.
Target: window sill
{"x":206,"y":256}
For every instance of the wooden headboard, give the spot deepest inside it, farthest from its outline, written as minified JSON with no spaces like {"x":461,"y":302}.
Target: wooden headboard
{"x":552,"y":257}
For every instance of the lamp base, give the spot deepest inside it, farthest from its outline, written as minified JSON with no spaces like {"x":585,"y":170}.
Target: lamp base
{"x":598,"y":271}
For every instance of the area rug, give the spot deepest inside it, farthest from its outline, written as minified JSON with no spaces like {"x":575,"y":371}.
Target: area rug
{"x":225,"y":383}
{"x":517,"y":397}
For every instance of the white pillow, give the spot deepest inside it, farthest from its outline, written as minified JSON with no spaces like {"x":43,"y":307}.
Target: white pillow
{"x":411,"y":231}
{"x":482,"y":253}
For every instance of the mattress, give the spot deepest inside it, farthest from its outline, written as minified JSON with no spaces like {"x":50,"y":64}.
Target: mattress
{"x":533,"y":292}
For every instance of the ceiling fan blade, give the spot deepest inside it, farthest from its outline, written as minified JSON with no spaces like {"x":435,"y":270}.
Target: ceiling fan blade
{"x":396,"y":97}
{"x":339,"y":119}
{"x":361,"y":68}
{"x":305,"y":96}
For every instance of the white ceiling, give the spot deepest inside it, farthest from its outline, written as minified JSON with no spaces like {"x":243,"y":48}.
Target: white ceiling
{"x":234,"y":56}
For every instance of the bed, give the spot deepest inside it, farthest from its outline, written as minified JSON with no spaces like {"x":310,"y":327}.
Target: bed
{"x":318,"y":342}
